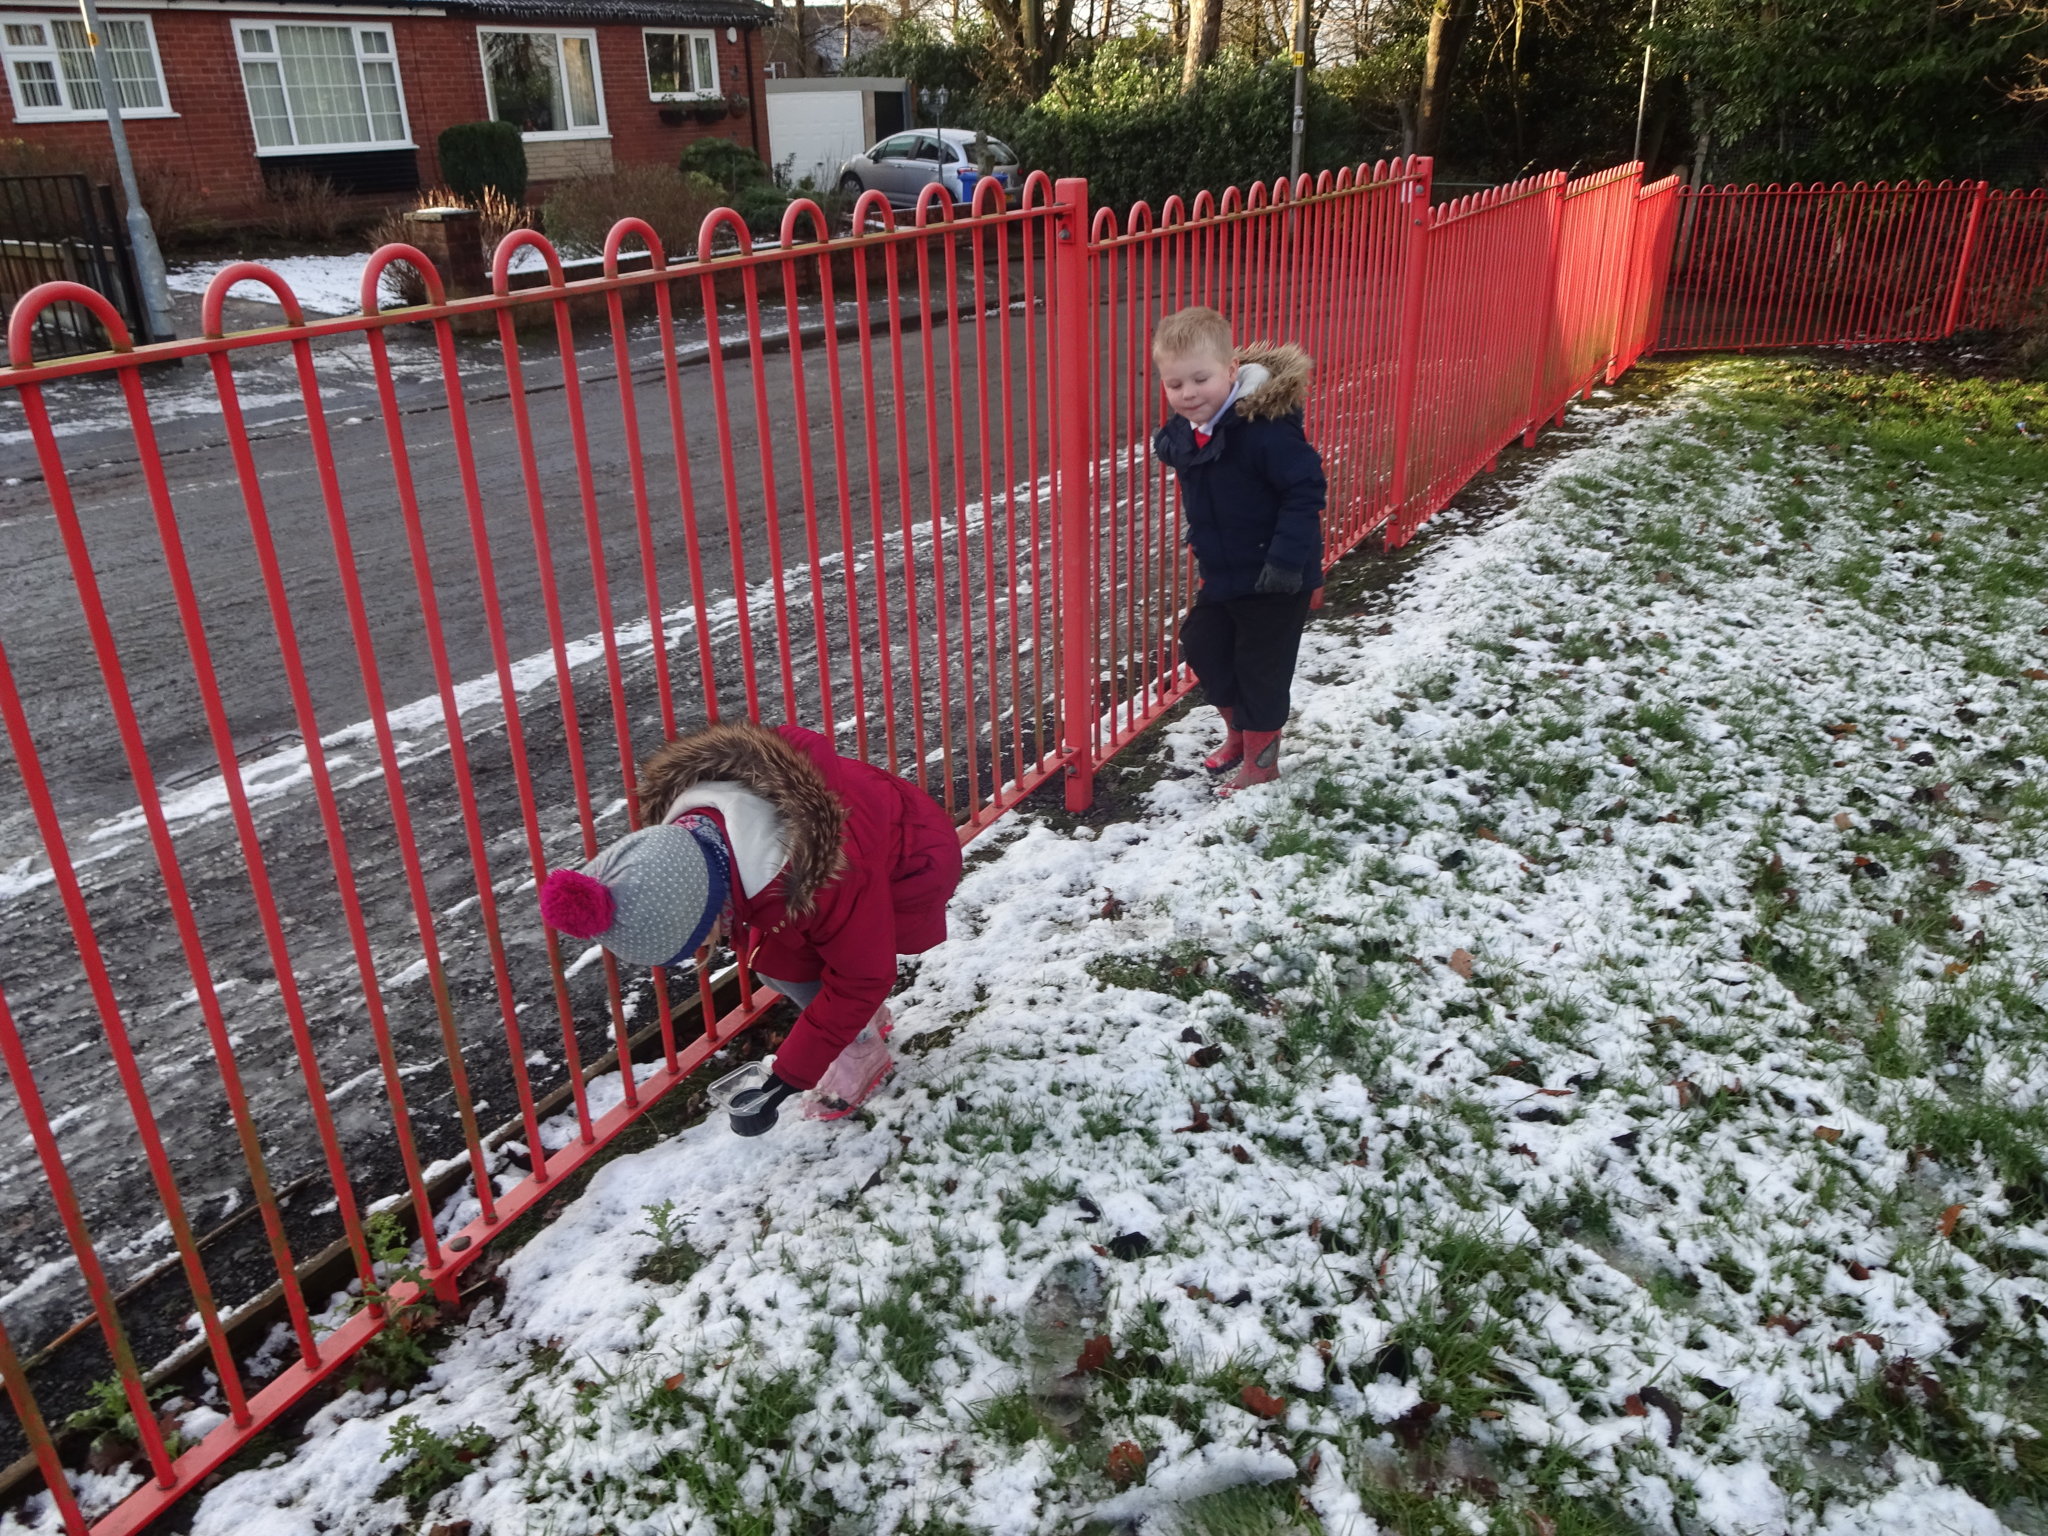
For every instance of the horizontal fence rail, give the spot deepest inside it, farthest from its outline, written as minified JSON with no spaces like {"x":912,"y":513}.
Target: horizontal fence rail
{"x":1824,"y":265}
{"x":318,"y":653}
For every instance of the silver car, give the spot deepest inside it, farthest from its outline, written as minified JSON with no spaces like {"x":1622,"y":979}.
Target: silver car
{"x":902,"y":166}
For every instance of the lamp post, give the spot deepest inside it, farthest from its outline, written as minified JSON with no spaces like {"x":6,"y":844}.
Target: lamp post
{"x":1643,"y":95}
{"x":149,"y":261}
{"x":1300,"y":88}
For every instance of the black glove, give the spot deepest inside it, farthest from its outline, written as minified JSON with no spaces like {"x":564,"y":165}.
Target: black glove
{"x":1277,"y":581}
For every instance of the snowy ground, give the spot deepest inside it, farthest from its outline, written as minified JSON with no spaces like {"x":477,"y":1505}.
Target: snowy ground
{"x":1599,"y":1089}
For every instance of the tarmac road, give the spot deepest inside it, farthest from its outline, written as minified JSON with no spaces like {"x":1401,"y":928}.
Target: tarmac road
{"x":50,"y":654}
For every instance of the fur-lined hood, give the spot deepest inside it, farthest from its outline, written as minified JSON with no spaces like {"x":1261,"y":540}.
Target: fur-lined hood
{"x":1279,"y":386}
{"x":762,"y":762}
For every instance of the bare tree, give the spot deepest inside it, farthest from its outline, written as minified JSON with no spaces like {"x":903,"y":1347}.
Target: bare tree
{"x":1450,"y":24}
{"x":1205,"y":33}
{"x":1038,"y":33}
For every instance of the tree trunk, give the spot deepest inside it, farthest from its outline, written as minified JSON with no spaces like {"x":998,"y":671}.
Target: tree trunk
{"x":1205,"y":31}
{"x":1178,"y":19}
{"x":1450,"y":23}
{"x":803,"y":41}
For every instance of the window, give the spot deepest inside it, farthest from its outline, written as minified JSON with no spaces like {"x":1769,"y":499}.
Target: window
{"x":320,"y":87}
{"x":899,"y":148}
{"x":50,"y":67}
{"x":546,"y":82}
{"x":681,"y":65}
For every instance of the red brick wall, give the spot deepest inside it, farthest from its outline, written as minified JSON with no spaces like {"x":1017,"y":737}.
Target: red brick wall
{"x":210,"y":139}
{"x":639,"y":136}
{"x":440,"y":68}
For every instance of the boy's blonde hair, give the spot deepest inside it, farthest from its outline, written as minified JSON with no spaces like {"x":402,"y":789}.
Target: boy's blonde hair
{"x":1197,"y":328}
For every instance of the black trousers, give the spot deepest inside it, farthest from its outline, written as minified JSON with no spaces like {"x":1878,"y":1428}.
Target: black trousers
{"x":1243,"y":652}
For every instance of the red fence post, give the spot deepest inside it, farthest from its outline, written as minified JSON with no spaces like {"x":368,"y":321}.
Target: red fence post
{"x":1966,"y":259}
{"x":1539,"y":402}
{"x":1073,"y":489}
{"x":1415,"y":200}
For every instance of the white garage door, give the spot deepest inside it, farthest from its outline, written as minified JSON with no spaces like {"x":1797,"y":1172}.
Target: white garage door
{"x":822,"y":129}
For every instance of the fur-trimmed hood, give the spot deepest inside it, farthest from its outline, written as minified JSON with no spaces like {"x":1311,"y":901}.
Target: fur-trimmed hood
{"x":763,"y":763}
{"x":1280,"y":384}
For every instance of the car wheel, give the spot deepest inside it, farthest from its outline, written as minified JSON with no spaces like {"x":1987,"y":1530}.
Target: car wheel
{"x":849,"y":185}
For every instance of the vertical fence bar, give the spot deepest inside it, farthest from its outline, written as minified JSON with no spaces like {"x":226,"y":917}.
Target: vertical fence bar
{"x":1415,"y":258}
{"x":1074,"y":365}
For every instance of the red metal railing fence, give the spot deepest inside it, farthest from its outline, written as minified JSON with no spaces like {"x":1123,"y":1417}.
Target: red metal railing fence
{"x":906,"y":495}
{"x":1813,"y":265}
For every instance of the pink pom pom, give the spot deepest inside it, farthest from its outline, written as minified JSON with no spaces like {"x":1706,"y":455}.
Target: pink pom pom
{"x":573,"y":903}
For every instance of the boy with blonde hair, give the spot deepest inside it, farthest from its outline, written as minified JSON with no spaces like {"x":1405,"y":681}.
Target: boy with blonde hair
{"x":1252,"y":492}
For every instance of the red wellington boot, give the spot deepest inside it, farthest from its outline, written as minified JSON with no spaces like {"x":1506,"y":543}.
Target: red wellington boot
{"x":1261,"y":761}
{"x":1231,"y":753}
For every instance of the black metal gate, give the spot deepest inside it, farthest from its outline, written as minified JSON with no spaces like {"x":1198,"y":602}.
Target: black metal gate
{"x":54,"y":227}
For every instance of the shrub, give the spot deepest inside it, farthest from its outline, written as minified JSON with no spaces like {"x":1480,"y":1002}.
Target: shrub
{"x":580,"y":212}
{"x":1125,"y":124}
{"x":476,"y":157}
{"x":303,"y":206}
{"x":497,"y":214}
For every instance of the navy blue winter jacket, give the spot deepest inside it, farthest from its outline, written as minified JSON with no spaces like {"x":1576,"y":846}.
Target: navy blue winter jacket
{"x":1254,"y":492}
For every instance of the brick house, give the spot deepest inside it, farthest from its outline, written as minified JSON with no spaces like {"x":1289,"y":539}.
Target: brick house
{"x":237,"y":95}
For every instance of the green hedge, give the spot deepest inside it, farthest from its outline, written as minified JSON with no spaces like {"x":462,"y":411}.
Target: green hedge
{"x":1125,"y":124}
{"x":477,"y":156}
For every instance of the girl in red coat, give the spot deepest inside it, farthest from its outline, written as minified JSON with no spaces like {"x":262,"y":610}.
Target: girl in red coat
{"x":826,"y":869}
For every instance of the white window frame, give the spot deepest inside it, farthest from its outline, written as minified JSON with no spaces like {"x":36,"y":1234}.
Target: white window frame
{"x":271,"y":24}
{"x":689,"y":35}
{"x":68,"y":113}
{"x":601,"y":131}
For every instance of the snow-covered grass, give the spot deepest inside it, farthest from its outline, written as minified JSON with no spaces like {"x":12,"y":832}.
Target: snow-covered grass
{"x":1599,"y":1089}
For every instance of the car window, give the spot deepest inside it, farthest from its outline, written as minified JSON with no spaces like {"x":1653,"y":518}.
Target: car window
{"x":928,"y":149}
{"x":902,"y":147}
{"x":1000,"y":153}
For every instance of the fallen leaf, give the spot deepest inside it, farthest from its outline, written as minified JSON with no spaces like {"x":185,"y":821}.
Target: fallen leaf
{"x":1093,"y":1357}
{"x":1461,"y":962}
{"x":1112,"y":908}
{"x":1237,"y":1151}
{"x":1827,"y":1133}
{"x":1789,"y":1325}
{"x":1983,"y":887}
{"x":1555,"y":1093}
{"x":1955,"y":967}
{"x":1526,"y":1152}
{"x":675,"y":1382}
{"x":1207,"y":1056}
{"x":1946,"y":1227}
{"x":1488,"y":835}
{"x":1688,"y":1092}
{"x":1844,"y":820}
{"x":1841,"y":728}
{"x":1667,"y":1405}
{"x":1413,"y":1426}
{"x":1126,"y":1462}
{"x":1634,"y":1407}
{"x":1848,"y":1341}
{"x":1262,"y":1402}
{"x":1490,"y":1414}
{"x":2038,"y":674}
{"x":1199,"y":1124}
{"x":1858,"y":1271}
{"x":1542,"y":1523}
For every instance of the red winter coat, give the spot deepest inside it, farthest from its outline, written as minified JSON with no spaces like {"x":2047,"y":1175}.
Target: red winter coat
{"x":872,"y":862}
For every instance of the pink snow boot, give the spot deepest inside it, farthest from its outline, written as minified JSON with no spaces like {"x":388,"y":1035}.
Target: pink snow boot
{"x":1261,"y":762}
{"x":855,"y":1072}
{"x":1231,"y":753}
